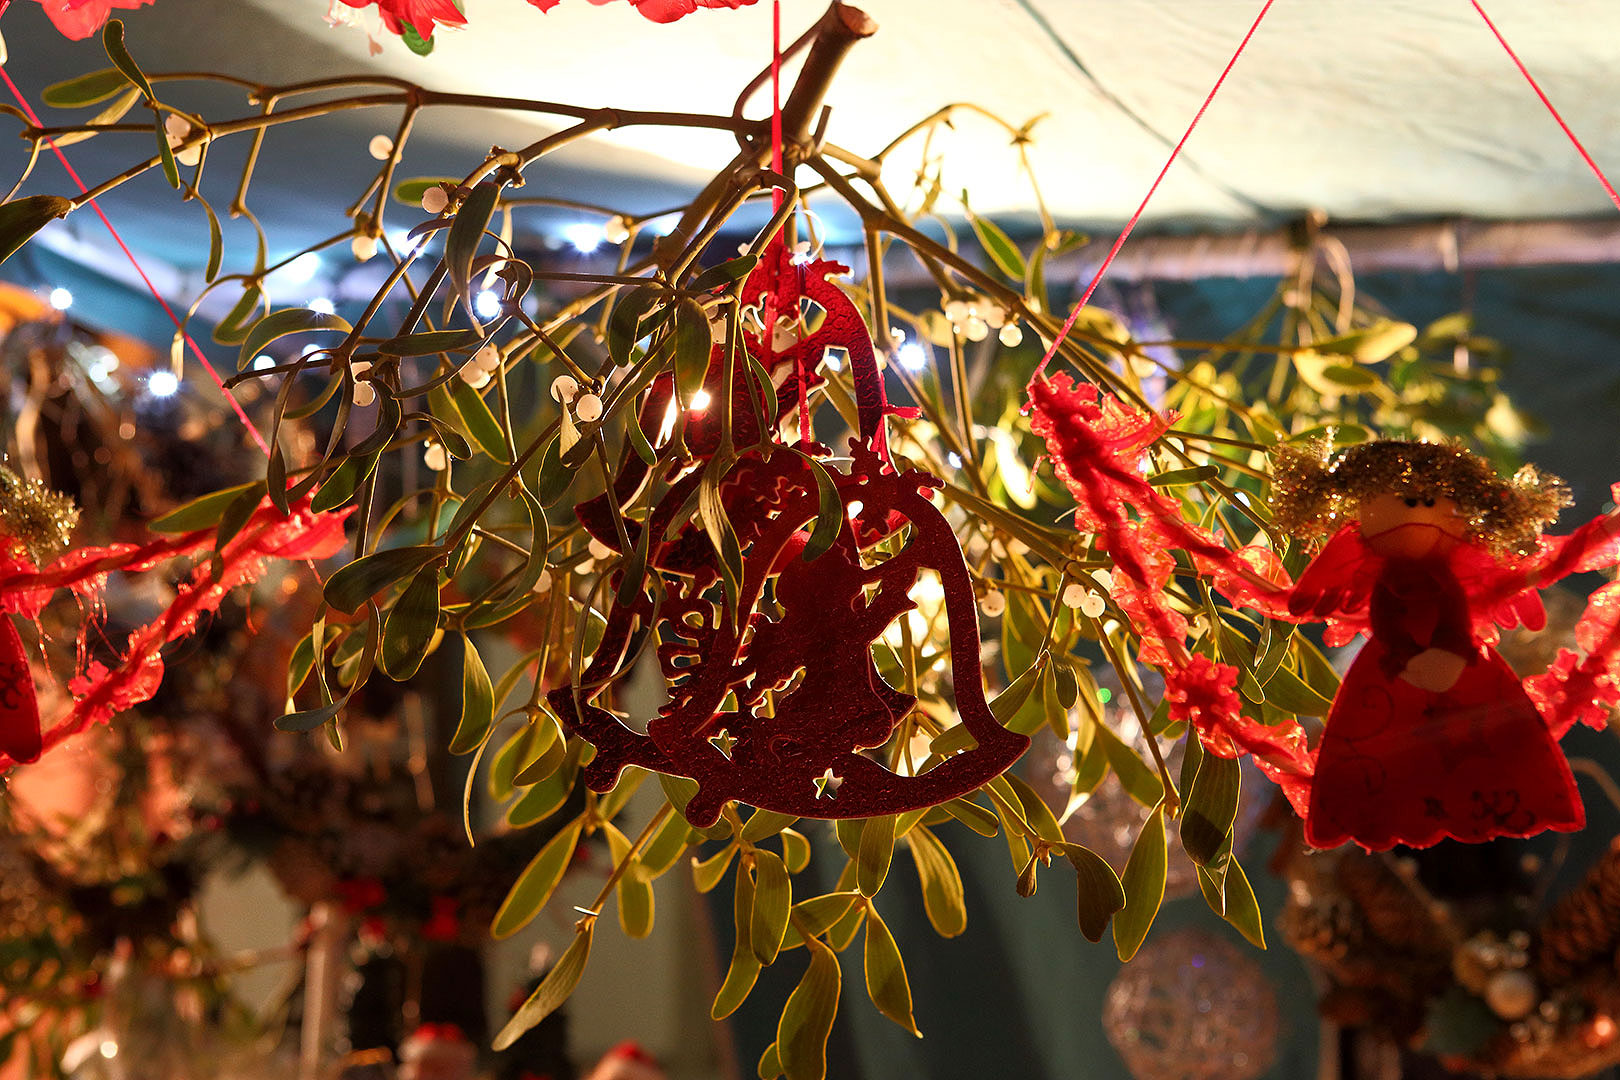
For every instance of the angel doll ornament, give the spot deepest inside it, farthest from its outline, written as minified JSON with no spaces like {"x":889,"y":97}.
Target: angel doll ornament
{"x":1432,"y":735}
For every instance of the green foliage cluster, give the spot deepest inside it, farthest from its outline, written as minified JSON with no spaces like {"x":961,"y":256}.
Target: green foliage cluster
{"x":488,"y":545}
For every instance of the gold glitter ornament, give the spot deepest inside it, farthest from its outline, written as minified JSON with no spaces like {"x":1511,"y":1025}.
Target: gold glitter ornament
{"x":1313,"y":494}
{"x":36,"y":521}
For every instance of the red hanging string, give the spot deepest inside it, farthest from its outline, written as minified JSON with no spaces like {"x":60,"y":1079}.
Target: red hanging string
{"x":776,"y":97}
{"x":236,"y":406}
{"x":1096,"y":278}
{"x":1531,"y":79}
{"x":800,"y":368}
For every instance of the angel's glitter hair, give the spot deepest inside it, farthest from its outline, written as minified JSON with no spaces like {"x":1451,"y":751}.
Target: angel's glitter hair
{"x":1314,"y":493}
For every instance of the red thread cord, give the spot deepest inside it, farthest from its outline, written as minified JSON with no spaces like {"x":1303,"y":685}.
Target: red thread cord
{"x":776,"y":97}
{"x":236,"y":406}
{"x":1096,"y":278}
{"x":1545,"y":100}
{"x":777,"y":195}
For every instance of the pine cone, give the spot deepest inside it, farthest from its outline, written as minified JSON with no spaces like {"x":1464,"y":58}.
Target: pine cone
{"x":308,"y":800}
{"x":1325,"y":930}
{"x":1393,"y":914}
{"x":1583,"y":928}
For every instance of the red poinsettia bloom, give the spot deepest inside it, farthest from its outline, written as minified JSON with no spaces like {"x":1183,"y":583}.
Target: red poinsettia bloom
{"x":78,"y":19}
{"x":661,"y":11}
{"x":423,"y":15}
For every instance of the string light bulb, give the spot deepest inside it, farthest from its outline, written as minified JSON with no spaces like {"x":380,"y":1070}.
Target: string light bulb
{"x":584,"y":236}
{"x":302,"y":270}
{"x":487,"y":304}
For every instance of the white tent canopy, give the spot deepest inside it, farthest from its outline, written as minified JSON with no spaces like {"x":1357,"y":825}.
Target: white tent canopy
{"x":1368,"y":110}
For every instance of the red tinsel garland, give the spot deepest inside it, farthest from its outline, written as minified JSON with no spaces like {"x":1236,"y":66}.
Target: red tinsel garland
{"x":99,"y":692}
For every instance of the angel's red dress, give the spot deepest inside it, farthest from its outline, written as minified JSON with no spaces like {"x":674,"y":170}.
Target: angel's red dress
{"x":1399,"y":764}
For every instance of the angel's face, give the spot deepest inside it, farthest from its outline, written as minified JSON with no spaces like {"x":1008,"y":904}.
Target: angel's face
{"x":1410,"y":525}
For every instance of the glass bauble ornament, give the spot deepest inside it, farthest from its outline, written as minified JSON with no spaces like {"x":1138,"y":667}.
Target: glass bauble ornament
{"x":1192,"y":1006}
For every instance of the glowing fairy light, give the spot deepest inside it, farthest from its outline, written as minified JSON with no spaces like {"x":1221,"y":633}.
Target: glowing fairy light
{"x":585,"y":237}
{"x":302,"y":270}
{"x":487,"y":303}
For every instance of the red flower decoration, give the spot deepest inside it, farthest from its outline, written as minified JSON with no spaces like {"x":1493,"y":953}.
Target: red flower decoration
{"x":660,"y":11}
{"x":1203,"y":695}
{"x":421,"y":14}
{"x":78,"y":19}
{"x":1097,"y":445}
{"x":1574,"y":689}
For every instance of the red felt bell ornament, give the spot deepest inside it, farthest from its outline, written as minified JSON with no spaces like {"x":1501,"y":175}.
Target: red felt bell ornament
{"x":1431,"y":735}
{"x":775,"y":700}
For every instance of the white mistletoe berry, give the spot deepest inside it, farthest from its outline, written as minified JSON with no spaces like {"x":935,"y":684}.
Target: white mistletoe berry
{"x":588,"y":407}
{"x":564,"y":388}
{"x":435,"y":200}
